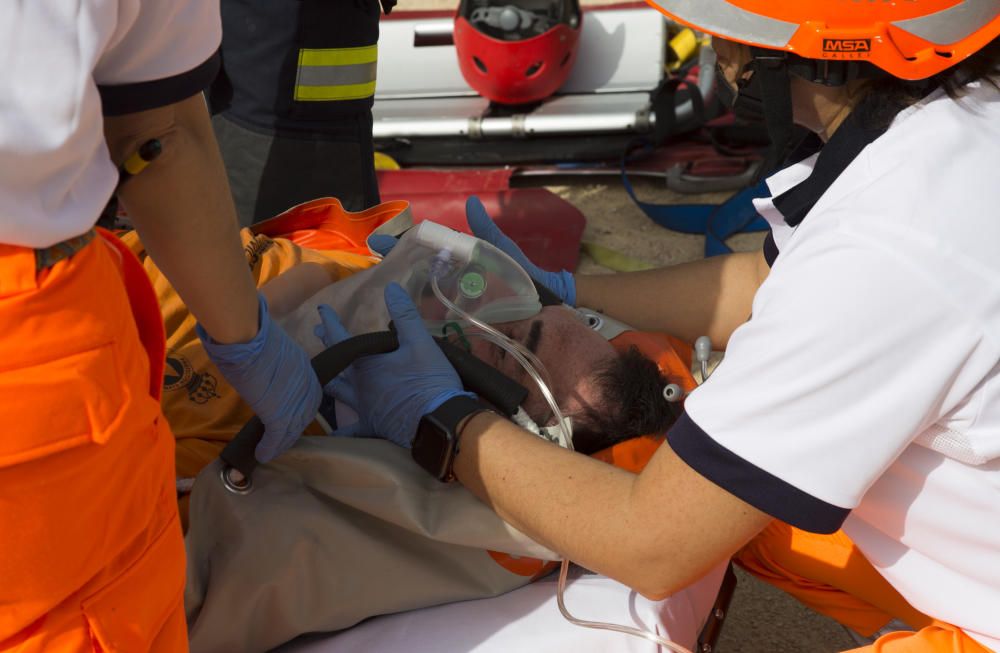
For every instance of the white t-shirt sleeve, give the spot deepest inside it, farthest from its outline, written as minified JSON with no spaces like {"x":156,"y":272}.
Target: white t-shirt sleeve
{"x":66,"y":63}
{"x":160,"y":53}
{"x":821,"y":390}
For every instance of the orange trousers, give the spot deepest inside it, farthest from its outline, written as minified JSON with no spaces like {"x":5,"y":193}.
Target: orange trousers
{"x":91,"y":554}
{"x":830,"y":575}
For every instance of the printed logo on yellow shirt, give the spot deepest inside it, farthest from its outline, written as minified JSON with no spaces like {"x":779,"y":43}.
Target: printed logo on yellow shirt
{"x":179,"y":374}
{"x":254,"y":249}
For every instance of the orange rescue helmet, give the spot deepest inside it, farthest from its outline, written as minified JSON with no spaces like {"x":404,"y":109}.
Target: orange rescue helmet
{"x":909,"y":39}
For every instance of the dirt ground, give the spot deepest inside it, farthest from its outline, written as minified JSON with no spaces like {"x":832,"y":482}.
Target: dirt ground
{"x":761,"y":619}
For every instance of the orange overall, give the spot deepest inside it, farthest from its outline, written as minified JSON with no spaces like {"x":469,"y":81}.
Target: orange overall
{"x":91,"y":555}
{"x":830,"y":575}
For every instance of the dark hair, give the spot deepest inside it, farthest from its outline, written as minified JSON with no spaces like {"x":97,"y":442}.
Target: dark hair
{"x":886,"y":96}
{"x":631,"y":389}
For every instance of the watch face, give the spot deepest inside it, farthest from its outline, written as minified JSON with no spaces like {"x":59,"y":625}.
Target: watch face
{"x":436,"y":443}
{"x":432,"y":447}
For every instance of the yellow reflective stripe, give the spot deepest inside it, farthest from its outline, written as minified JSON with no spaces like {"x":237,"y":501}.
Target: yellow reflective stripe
{"x":321,"y":69}
{"x":338,"y":56}
{"x":341,"y":92}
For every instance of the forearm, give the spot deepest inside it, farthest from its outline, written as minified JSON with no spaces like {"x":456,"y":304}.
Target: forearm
{"x":656,"y":532}
{"x":709,"y":297}
{"x":287,"y":291}
{"x":182,"y":208}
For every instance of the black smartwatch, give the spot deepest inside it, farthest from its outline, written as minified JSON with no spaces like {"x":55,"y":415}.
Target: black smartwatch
{"x":435,"y":445}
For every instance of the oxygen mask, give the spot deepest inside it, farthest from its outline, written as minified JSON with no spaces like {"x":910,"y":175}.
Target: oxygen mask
{"x":458,"y":283}
{"x":480,"y":282}
{"x":456,"y":269}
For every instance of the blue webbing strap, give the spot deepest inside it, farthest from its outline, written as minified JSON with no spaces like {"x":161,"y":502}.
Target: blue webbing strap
{"x":716,"y":221}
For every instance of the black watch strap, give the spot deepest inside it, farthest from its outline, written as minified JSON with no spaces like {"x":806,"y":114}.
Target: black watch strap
{"x":437,"y":440}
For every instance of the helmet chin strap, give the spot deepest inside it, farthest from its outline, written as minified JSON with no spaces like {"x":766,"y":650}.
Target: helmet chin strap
{"x":774,"y":90}
{"x":766,"y":95}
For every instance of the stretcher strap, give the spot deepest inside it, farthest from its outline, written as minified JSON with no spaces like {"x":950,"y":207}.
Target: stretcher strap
{"x":716,"y":221}
{"x":476,"y":375}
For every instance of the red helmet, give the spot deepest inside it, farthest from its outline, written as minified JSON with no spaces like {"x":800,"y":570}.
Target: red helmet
{"x":517,"y":51}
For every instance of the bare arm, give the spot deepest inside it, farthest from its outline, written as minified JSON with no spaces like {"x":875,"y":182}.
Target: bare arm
{"x":656,"y":532}
{"x":706,"y":297}
{"x":287,"y":291}
{"x":182,"y":208}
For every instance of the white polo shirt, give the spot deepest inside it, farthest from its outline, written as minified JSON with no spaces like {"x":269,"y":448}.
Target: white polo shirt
{"x":864,"y":391}
{"x":60,"y":62}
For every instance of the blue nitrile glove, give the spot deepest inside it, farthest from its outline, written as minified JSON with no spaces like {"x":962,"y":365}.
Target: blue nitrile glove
{"x":561,"y":283}
{"x":382,"y":243}
{"x":391,"y":392}
{"x":273,"y":375}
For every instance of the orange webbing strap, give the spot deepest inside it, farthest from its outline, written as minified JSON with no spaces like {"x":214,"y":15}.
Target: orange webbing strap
{"x":325,"y":225}
{"x":145,"y":310}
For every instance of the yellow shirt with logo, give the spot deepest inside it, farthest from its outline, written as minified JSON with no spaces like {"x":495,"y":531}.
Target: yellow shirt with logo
{"x":203,"y":410}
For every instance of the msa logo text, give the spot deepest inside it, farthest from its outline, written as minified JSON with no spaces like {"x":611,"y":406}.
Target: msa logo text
{"x":847,"y":48}
{"x":852,"y":46}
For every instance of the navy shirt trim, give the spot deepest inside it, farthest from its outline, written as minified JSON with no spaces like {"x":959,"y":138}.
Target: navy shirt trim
{"x":770,"y":249}
{"x":743,"y":479}
{"x":842,"y":149}
{"x":121,"y":99}
{"x":859,"y":130}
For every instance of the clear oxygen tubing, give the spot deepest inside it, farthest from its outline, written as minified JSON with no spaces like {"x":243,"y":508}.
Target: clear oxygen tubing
{"x":600,"y":625}
{"x":529,"y":361}
{"x":525,"y":358}
{"x":536,"y":369}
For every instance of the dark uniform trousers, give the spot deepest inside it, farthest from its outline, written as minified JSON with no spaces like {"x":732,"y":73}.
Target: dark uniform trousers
{"x":292,"y":105}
